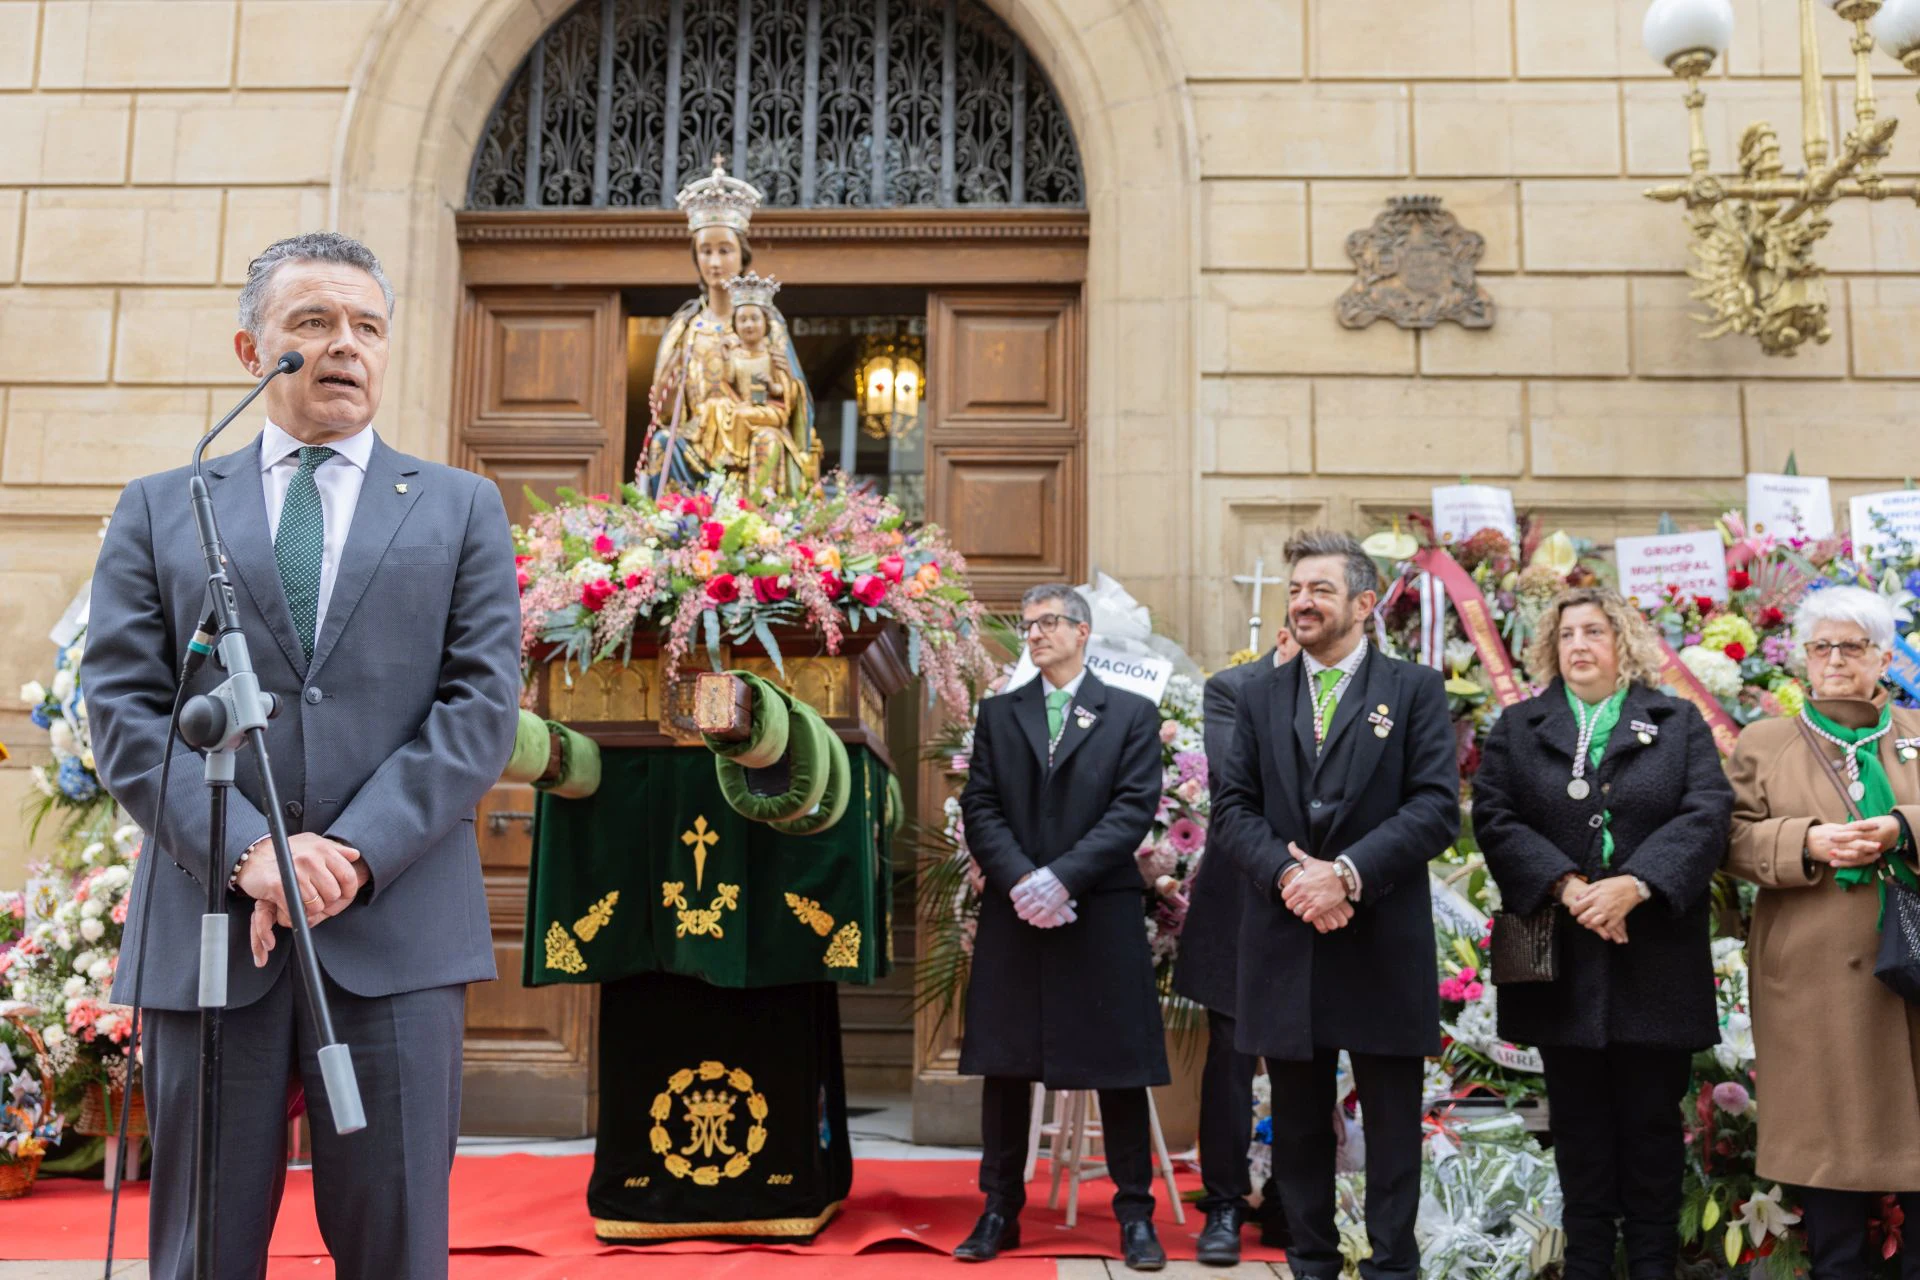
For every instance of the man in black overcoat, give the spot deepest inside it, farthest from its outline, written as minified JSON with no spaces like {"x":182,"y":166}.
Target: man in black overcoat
{"x":1063,"y":787}
{"x":1341,"y":787}
{"x":1206,"y":974}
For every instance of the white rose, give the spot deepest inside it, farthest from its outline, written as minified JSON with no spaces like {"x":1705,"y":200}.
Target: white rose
{"x":100,"y":970}
{"x":62,"y":940}
{"x":74,"y":986}
{"x":83,"y":961}
{"x":55,"y":1036}
{"x":64,"y":743}
{"x":33,"y":693}
{"x":92,"y":929}
{"x":62,"y":685}
{"x":107,"y":1023}
{"x":92,"y":851}
{"x":635,"y":560}
{"x":590,"y":571}
{"x":116,"y":876}
{"x":91,"y":908}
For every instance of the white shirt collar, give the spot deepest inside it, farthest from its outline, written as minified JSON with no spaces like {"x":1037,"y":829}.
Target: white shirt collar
{"x":1070,"y":687}
{"x":1346,"y":666}
{"x":276,"y":444}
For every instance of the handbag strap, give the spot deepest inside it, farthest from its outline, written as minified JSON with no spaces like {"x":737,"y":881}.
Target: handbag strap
{"x":1826,"y":764}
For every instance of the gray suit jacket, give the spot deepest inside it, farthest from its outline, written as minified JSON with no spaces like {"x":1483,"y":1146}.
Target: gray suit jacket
{"x":385,"y":741}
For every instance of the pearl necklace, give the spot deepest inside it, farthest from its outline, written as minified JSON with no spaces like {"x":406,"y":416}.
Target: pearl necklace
{"x":1855,"y":788}
{"x":1579,"y":788}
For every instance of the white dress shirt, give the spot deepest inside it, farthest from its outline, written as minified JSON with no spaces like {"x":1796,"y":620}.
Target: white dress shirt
{"x":338,"y":479}
{"x":1348,"y":667}
{"x":1070,"y":687}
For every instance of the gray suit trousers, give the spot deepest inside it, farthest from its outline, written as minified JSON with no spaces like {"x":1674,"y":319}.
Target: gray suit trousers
{"x":380,"y":1194}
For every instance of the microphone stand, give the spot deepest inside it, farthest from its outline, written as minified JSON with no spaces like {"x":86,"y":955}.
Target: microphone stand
{"x":220,"y":723}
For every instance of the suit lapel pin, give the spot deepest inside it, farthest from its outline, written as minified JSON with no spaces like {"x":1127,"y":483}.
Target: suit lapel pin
{"x":1909,"y":749}
{"x":1382,"y":726}
{"x":1084,"y":718}
{"x":399,"y":488}
{"x":1646,"y":731}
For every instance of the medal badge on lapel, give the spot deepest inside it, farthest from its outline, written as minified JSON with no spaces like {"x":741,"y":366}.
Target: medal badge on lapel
{"x":1382,"y":725}
{"x":1645,"y":730}
{"x":1084,"y":718}
{"x":1908,"y":749}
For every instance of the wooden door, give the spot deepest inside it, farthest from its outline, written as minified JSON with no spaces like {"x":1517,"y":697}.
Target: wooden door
{"x":1006,"y":465}
{"x":540,"y":402}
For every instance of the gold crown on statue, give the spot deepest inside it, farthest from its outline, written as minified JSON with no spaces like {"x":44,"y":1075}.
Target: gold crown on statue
{"x":752,"y":290}
{"x":719,"y":200}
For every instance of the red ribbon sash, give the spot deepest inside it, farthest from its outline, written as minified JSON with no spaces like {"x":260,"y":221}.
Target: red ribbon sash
{"x":1476,"y":619}
{"x":1687,"y":685}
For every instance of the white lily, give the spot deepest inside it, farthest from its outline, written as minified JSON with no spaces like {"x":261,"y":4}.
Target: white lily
{"x":1764,"y":1216}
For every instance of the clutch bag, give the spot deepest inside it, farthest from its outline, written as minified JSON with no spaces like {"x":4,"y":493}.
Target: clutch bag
{"x":1525,"y":948}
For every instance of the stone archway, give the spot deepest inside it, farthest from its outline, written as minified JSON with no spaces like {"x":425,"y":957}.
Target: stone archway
{"x":434,"y":69}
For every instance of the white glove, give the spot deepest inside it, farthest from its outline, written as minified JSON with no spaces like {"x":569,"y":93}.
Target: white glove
{"x":1040,"y":894}
{"x":1054,"y":919}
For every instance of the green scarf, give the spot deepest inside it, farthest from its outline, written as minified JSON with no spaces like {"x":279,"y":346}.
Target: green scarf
{"x":1605,"y":716}
{"x":1878,"y":802}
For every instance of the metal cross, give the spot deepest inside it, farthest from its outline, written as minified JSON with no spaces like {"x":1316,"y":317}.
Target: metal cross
{"x":1257,"y":581}
{"x":701,"y":839}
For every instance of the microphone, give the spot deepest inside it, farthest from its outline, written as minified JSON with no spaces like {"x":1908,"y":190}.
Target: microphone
{"x":288,"y":363}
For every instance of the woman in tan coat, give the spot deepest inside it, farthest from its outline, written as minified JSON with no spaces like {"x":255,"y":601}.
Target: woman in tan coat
{"x":1837,"y":1053}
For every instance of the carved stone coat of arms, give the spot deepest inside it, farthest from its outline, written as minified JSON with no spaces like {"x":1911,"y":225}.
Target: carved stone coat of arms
{"x":1416,"y":268}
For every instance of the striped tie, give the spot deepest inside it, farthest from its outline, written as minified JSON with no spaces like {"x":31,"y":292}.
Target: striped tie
{"x":300,"y":544}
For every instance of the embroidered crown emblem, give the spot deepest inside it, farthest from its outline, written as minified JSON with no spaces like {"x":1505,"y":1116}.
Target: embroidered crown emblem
{"x":719,"y":200}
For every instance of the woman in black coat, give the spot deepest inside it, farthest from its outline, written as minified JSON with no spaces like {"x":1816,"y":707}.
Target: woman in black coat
{"x":1603,"y":800}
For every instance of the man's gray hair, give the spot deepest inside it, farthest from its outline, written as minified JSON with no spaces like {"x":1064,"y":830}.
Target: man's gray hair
{"x":1073,"y":605}
{"x":314,"y":246}
{"x":1868,"y":610}
{"x":1309,"y":543}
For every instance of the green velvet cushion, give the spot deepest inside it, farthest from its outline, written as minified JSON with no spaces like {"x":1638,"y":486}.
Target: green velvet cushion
{"x":532,"y":744}
{"x":833,"y":802}
{"x":809,"y":761}
{"x":579,"y":765}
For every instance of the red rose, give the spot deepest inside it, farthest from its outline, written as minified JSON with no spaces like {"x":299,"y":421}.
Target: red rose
{"x":524,"y":579}
{"x":603,"y":547}
{"x":669,"y":502}
{"x":1736,"y":651}
{"x":831,"y":584}
{"x":633,"y":580}
{"x":772,"y":588}
{"x":802,"y":552}
{"x":711,"y":532}
{"x":699,"y":505}
{"x":1738,"y":580}
{"x":1769,"y":617}
{"x":722,"y":589}
{"x":869,"y":589}
{"x":894,"y":568}
{"x":596,"y":594}
{"x":1703,"y":603}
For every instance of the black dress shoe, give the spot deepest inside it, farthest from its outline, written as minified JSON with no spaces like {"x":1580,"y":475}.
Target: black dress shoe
{"x":1141,"y":1247}
{"x":990,"y":1235}
{"x":1220,"y":1239}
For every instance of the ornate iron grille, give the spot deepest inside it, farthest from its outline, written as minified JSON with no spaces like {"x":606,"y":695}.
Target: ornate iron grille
{"x":869,"y":103}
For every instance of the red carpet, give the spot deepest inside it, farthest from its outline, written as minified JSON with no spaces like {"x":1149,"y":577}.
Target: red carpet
{"x":508,"y":1207}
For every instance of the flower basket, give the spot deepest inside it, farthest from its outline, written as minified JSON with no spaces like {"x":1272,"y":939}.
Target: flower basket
{"x":100,"y":1113}
{"x":16,"y":1176}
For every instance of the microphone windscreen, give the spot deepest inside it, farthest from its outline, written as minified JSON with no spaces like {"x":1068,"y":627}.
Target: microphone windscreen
{"x":291,"y":362}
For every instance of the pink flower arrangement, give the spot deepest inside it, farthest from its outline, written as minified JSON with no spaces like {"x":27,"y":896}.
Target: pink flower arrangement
{"x":1186,"y":836}
{"x":1732,"y":1097}
{"x":715,"y":567}
{"x":1464,"y":987}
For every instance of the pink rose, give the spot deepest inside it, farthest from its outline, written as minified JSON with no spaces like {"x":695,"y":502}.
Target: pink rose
{"x":1732,"y":1097}
{"x":723,"y":589}
{"x":633,"y":580}
{"x":603,"y":547}
{"x":596,"y":594}
{"x":831,"y":584}
{"x":1169,"y":730}
{"x":711,"y":532}
{"x":893,"y":568}
{"x":1473,"y":991}
{"x":771,"y":589}
{"x":869,"y":589}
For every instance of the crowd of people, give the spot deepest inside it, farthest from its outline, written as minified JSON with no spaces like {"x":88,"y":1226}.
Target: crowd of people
{"x":1604,"y":812}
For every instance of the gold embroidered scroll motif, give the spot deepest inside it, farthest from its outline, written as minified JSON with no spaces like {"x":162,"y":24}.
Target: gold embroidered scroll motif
{"x":597,"y":917}
{"x":810,"y":914}
{"x":562,"y":955}
{"x":699,"y":922}
{"x":844,"y":951}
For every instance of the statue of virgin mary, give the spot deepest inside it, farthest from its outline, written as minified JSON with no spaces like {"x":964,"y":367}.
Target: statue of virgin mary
{"x":700,"y":420}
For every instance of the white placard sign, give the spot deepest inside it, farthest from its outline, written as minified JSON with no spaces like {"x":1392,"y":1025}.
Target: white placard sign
{"x":1900,"y":508}
{"x":1789,"y":506}
{"x":1694,"y":562}
{"x":1462,"y":510}
{"x":1140,"y":673}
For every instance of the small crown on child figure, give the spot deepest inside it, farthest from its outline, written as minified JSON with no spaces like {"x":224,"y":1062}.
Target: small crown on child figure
{"x":752,"y":290}
{"x":719,"y":200}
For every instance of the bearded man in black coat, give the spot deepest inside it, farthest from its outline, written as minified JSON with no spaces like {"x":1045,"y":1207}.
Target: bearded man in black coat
{"x":1341,"y":787}
{"x":1063,"y":786}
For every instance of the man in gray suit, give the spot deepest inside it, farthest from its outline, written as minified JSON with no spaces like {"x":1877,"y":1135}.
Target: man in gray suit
{"x":378,"y":598}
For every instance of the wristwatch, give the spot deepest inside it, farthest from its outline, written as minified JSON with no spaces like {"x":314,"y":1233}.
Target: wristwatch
{"x":1641,"y":885}
{"x":1349,"y":878}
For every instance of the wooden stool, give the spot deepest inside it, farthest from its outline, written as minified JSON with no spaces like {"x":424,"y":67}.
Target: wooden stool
{"x":1070,"y":1136}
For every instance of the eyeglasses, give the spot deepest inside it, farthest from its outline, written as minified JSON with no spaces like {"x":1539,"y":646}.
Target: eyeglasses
{"x":1851,"y":650}
{"x":1046,"y":622}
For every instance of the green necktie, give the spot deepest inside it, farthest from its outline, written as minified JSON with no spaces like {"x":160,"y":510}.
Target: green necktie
{"x":300,"y":545}
{"x":1326,"y":700}
{"x":1057,"y":700}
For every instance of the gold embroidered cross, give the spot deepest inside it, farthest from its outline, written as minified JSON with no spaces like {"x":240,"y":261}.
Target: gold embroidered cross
{"x":701,"y":839}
